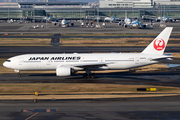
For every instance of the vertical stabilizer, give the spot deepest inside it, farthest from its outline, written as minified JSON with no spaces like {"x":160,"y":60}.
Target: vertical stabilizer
{"x":158,"y":45}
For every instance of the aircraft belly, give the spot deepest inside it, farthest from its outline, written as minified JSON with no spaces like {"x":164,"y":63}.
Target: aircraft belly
{"x":121,"y":65}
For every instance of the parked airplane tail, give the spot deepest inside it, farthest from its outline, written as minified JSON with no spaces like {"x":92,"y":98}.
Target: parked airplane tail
{"x":158,"y":45}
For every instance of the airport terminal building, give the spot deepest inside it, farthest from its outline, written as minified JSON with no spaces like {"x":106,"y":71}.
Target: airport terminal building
{"x":81,"y":10}
{"x":125,"y":3}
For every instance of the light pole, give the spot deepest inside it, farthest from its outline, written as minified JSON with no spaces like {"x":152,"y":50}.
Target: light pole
{"x":46,"y":16}
{"x":97,"y":15}
{"x":81,"y":13}
{"x":8,"y":13}
{"x":33,"y":15}
{"x":161,"y":14}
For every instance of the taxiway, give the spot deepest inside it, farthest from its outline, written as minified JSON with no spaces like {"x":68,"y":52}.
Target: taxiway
{"x":111,"y":28}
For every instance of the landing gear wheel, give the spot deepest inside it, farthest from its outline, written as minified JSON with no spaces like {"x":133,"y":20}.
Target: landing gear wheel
{"x":19,"y":75}
{"x":85,"y":76}
{"x":92,"y":75}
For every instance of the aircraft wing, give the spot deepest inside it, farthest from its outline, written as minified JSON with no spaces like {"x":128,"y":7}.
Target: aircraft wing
{"x":168,"y":54}
{"x":141,"y":24}
{"x":89,"y":65}
{"x":68,"y":22}
{"x":54,"y":22}
{"x":146,"y":24}
{"x":129,"y":25}
{"x":92,"y":65}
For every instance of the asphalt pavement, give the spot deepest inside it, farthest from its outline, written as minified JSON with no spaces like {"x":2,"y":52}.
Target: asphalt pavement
{"x":163,"y":108}
{"x":111,"y":28}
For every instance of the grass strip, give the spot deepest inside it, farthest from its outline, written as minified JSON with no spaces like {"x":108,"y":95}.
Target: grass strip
{"x":60,"y":88}
{"x":54,"y":97}
{"x":83,"y":42}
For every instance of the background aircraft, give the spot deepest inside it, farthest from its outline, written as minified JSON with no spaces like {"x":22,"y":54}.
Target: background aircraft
{"x":133,"y":23}
{"x":109,"y":19}
{"x":63,"y":23}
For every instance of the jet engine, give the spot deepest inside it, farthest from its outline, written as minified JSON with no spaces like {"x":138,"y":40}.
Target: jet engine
{"x":64,"y":71}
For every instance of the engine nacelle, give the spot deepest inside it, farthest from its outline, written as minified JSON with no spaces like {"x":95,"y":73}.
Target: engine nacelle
{"x":64,"y":71}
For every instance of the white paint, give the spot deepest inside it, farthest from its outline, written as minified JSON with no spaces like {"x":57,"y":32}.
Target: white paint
{"x":96,"y":61}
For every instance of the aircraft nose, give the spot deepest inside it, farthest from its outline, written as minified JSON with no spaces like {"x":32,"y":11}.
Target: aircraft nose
{"x":5,"y":64}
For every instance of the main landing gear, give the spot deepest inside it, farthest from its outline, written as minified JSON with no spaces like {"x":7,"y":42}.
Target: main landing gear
{"x":18,"y":71}
{"x":88,"y":74}
{"x":19,"y":75}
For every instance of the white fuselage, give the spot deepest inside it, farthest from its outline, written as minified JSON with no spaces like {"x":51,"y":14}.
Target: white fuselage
{"x":67,"y":64}
{"x":113,"y":61}
{"x":127,"y":21}
{"x":63,"y":23}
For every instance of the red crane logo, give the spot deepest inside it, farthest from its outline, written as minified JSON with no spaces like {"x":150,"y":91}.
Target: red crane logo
{"x":159,"y":44}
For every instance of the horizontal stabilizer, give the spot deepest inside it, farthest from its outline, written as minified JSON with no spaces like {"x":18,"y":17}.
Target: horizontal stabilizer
{"x":162,"y":58}
{"x":168,"y":54}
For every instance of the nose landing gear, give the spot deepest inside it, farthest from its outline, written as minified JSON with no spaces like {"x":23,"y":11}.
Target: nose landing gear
{"x":18,"y":71}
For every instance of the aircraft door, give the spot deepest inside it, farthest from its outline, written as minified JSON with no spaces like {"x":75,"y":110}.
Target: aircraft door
{"x":20,"y":61}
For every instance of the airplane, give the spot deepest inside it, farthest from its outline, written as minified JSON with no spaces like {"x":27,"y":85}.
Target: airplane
{"x":64,"y":23}
{"x":109,"y":19}
{"x":162,"y":19}
{"x":68,"y":64}
{"x":167,"y":19}
{"x":112,"y":19}
{"x":11,"y":21}
{"x":132,"y":23}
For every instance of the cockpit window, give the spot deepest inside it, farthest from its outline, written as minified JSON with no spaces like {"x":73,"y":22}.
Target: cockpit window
{"x":8,"y":60}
